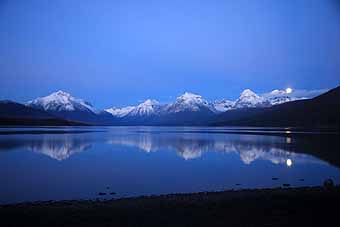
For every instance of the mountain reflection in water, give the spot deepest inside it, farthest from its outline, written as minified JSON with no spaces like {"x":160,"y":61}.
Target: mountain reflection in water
{"x":133,"y":161}
{"x":249,"y":148}
{"x":277,"y":150}
{"x":59,"y":147}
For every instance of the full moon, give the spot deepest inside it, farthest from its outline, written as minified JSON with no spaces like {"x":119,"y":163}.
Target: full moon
{"x":289,"y":162}
{"x":289,"y":90}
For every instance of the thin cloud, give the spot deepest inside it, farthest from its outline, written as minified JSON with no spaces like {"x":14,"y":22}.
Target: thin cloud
{"x":297,"y":93}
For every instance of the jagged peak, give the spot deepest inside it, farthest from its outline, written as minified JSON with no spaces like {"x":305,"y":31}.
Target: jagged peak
{"x":248,"y":92}
{"x":61,"y":93}
{"x":189,"y":96}
{"x":120,"y":112}
{"x":61,"y":100}
{"x":189,"y":101}
{"x":57,"y":95}
{"x":248,"y":98}
{"x":149,"y":102}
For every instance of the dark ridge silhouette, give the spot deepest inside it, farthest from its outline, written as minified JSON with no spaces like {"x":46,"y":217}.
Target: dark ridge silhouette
{"x":86,"y":117}
{"x":319,"y":112}
{"x":12,"y":113}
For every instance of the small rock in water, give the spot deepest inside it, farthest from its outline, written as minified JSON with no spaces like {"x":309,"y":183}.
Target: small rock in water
{"x":328,"y":184}
{"x":238,"y":184}
{"x":302,"y":179}
{"x":286,"y":185}
{"x":275,"y":178}
{"x":101,"y":193}
{"x":113,"y":193}
{"x":107,"y":187}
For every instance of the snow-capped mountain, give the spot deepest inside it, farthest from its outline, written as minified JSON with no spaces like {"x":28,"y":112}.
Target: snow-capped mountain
{"x":187,"y":109}
{"x":147,"y":108}
{"x":193,"y":103}
{"x":248,"y":99}
{"x":65,"y":106}
{"x":61,"y":101}
{"x":276,"y":97}
{"x":223,"y":105}
{"x":189,"y":102}
{"x":120,"y":112}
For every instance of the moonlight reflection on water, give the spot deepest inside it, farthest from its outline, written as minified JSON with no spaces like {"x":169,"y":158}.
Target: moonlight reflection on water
{"x":151,"y":160}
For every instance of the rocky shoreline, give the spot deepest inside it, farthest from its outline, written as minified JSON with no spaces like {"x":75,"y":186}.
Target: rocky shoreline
{"x":305,"y":206}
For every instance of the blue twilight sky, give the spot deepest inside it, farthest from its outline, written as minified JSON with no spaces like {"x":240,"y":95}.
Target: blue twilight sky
{"x":115,"y":53}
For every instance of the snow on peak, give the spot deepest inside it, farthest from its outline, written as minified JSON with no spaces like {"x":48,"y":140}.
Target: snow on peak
{"x":249,"y":99}
{"x":248,"y":93}
{"x":149,"y":102}
{"x":61,"y":93}
{"x":120,"y":112}
{"x":276,"y":97}
{"x":281,"y":96}
{"x":61,"y":101}
{"x":147,"y":108}
{"x":187,"y":96}
{"x":189,"y":102}
{"x":223,"y":105}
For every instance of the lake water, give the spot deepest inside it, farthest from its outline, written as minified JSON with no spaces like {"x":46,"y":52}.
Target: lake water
{"x":62,"y":163}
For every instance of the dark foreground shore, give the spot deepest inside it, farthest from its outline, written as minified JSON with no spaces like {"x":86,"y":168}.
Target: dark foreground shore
{"x":309,"y":206}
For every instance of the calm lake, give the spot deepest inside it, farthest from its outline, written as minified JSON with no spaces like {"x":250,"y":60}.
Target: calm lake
{"x":62,"y":163}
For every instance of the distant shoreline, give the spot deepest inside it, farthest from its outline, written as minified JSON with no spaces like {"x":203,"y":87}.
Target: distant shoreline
{"x":270,"y":131}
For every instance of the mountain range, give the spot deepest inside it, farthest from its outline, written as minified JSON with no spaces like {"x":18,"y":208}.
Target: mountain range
{"x":188,"y":109}
{"x":321,"y":111}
